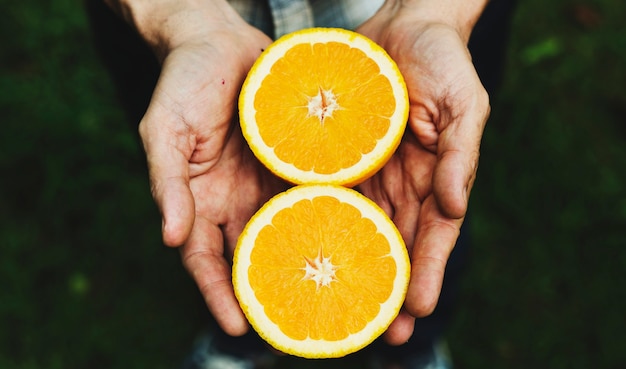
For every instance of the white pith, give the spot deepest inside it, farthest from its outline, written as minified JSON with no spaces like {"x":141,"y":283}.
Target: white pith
{"x":322,"y":105}
{"x":320,"y":270}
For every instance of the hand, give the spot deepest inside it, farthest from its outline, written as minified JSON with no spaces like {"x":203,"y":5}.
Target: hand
{"x":203,"y":177}
{"x":425,"y":186}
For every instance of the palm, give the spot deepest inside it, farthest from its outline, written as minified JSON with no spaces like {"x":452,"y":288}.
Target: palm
{"x":425,"y":186}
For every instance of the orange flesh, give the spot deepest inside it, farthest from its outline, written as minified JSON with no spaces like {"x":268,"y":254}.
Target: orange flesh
{"x":355,"y":108}
{"x":349,"y":297}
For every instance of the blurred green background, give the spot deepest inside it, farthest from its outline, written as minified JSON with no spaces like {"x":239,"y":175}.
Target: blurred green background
{"x":86,"y":283}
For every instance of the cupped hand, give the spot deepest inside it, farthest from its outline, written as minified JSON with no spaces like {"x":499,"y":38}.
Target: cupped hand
{"x":203,"y":177}
{"x":425,"y":186}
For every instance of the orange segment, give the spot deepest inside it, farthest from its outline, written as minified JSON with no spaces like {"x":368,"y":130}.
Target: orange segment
{"x":324,"y":105}
{"x":320,"y":271}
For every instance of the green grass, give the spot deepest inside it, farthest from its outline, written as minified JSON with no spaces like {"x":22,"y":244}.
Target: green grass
{"x":86,"y":282}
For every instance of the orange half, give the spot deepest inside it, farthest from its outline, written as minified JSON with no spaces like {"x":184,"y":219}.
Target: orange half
{"x":320,"y":271}
{"x":324,"y":105}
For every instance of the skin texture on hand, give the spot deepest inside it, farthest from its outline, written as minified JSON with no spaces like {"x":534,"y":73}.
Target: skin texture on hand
{"x":425,"y":186}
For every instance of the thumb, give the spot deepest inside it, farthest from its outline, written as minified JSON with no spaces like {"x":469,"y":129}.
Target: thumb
{"x":458,"y":153}
{"x":453,"y":179}
{"x":400,"y":329}
{"x":169,"y":180}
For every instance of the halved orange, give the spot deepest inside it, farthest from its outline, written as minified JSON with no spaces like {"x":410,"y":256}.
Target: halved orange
{"x":324,"y":105}
{"x":320,"y":271}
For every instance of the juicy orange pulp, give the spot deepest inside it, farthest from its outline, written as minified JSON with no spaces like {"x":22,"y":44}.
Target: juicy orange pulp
{"x":337,"y":113}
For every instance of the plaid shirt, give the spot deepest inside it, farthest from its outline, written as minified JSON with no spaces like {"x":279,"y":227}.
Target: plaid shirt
{"x":278,"y":17}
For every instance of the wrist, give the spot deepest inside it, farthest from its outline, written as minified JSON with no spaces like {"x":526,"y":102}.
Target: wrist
{"x":461,"y":15}
{"x":166,"y":24}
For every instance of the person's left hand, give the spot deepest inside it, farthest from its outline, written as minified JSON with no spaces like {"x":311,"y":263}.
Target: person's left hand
{"x":425,"y":186}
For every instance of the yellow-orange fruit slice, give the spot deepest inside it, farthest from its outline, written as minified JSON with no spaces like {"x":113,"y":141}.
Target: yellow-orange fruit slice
{"x":320,"y":271}
{"x":324,"y":105}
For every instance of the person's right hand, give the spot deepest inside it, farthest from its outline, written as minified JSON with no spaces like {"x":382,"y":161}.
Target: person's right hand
{"x":204,"y":179}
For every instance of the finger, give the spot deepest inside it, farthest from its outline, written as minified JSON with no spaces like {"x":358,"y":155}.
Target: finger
{"x":434,"y":242}
{"x":400,"y":330}
{"x":169,"y":180}
{"x":176,"y":204}
{"x":414,"y":182}
{"x":452,"y":181}
{"x":203,"y":258}
{"x":458,"y":153}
